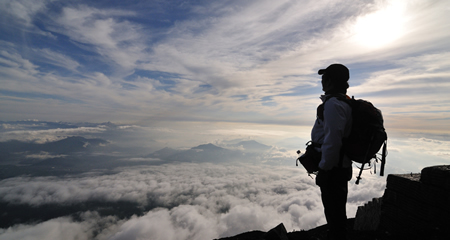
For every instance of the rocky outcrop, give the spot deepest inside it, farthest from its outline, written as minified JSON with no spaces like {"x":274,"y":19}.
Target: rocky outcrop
{"x":411,"y":203}
{"x":277,"y":233}
{"x":368,"y":216}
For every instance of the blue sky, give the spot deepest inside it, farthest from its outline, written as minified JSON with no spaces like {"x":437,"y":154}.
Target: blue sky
{"x":143,"y":62}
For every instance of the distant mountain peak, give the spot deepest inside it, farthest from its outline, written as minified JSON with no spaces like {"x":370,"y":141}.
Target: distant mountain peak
{"x":252,"y":145}
{"x":208,"y":146}
{"x":163,"y":153}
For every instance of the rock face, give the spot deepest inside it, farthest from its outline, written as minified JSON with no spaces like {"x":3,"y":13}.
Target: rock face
{"x":368,"y":216}
{"x":277,"y":233}
{"x":411,"y":202}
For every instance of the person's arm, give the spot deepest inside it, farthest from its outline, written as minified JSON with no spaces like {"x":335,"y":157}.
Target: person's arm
{"x":335,"y":121}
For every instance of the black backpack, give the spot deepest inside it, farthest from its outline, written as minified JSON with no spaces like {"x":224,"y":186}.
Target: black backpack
{"x":367,"y":135}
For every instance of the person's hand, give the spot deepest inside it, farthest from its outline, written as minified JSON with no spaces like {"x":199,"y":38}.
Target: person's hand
{"x":322,"y":177}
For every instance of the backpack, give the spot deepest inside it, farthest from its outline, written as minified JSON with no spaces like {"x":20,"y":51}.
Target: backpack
{"x":367,"y":134}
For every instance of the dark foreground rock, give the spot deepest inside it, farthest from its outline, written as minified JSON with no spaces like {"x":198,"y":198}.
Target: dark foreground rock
{"x":418,"y":203}
{"x":321,"y":233}
{"x":414,"y":206}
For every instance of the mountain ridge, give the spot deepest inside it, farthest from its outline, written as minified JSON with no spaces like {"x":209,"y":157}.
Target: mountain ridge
{"x":212,"y":153}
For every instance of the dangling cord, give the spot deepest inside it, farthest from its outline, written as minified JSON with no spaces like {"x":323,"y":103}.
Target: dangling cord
{"x":383,"y":158}
{"x":359,"y":175}
{"x":298,"y":159}
{"x":374,"y":164}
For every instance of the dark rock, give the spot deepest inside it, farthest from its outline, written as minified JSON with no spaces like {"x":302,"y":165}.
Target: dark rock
{"x":368,"y":216}
{"x":438,"y":176}
{"x":409,"y":202}
{"x":253,"y":235}
{"x":277,"y":233}
{"x":412,"y":205}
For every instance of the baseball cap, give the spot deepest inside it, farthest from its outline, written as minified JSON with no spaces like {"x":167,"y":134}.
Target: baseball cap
{"x":337,"y":70}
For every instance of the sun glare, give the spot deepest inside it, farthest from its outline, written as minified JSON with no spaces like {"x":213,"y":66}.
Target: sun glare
{"x":380,"y":28}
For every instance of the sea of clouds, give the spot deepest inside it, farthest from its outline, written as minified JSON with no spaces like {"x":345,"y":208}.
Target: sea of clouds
{"x":192,"y":201}
{"x":186,"y":200}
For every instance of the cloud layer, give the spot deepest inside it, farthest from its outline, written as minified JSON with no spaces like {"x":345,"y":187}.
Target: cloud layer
{"x":192,"y":201}
{"x":122,"y":193}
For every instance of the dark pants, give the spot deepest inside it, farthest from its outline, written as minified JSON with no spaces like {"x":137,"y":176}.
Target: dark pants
{"x":334,"y":188}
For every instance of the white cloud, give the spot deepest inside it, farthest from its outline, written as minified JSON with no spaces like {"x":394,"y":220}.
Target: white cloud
{"x":91,"y":226}
{"x":221,"y":62}
{"x":244,"y":40}
{"x":48,"y":135}
{"x":183,"y":222}
{"x":412,"y":95}
{"x":44,"y":155}
{"x":59,"y":228}
{"x":381,"y":27}
{"x":57,"y":59}
{"x":117,"y":40}
{"x":212,"y":199}
{"x":421,"y":73}
{"x":21,"y":15}
{"x":23,"y":9}
{"x":19,"y":65}
{"x":196,"y":201}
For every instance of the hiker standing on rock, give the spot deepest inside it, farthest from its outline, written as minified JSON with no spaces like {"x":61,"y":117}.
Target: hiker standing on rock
{"x":333,"y":123}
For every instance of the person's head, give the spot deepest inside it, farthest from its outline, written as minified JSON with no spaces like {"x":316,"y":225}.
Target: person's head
{"x":335,"y":78}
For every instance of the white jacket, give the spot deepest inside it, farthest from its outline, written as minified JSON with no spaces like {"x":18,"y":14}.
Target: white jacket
{"x":330,"y":132}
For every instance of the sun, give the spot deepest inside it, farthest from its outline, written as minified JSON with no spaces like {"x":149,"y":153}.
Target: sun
{"x":380,"y":28}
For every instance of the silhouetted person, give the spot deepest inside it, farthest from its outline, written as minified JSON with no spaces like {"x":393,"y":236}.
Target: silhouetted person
{"x":333,"y":123}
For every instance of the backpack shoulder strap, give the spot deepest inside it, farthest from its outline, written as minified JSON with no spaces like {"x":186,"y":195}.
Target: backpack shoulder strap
{"x":340,"y":97}
{"x":320,"y":110}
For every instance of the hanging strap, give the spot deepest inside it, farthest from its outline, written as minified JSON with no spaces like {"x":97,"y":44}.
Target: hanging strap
{"x":383,"y":158}
{"x":359,"y":175}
